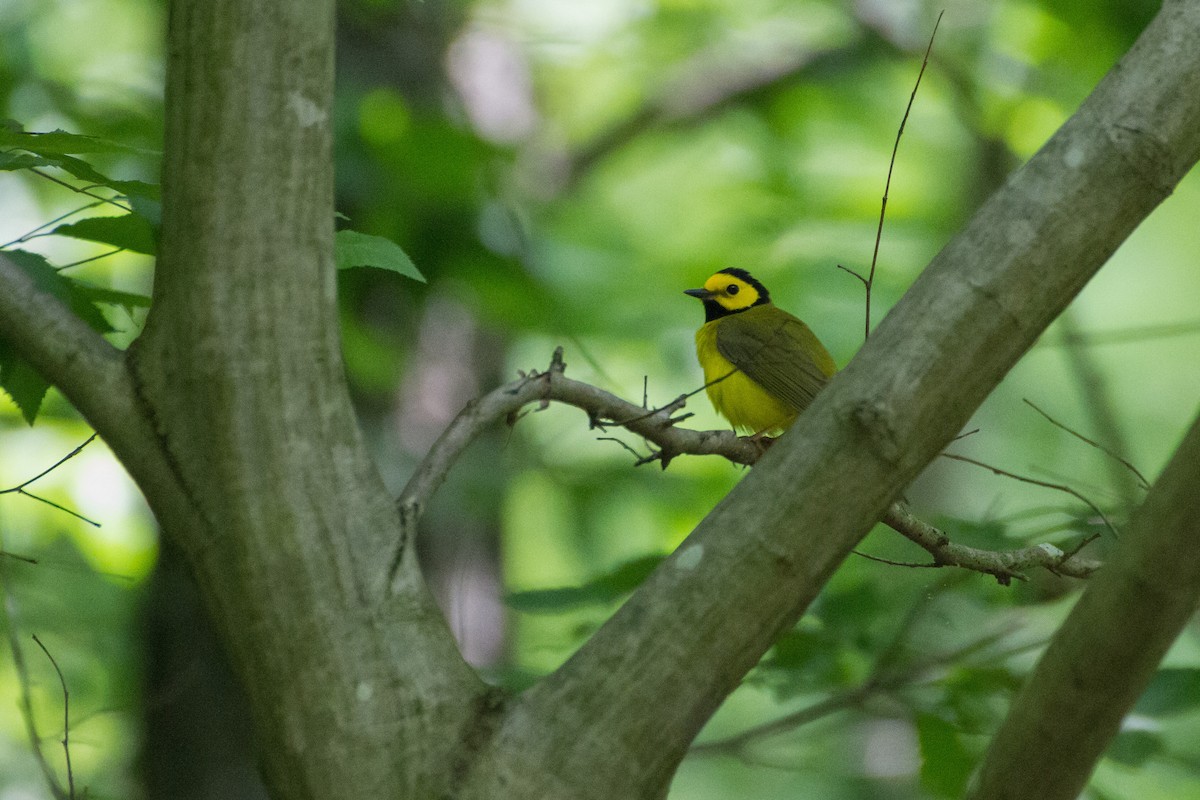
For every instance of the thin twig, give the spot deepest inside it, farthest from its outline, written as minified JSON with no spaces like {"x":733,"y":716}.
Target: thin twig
{"x":54,"y":466}
{"x":86,"y":191}
{"x":66,"y":740}
{"x":890,"y":562}
{"x":659,"y":428}
{"x":869,"y":281}
{"x":90,"y":259}
{"x":21,"y":490}
{"x":22,"y":670}
{"x":1003,"y":565}
{"x":1142,"y":482}
{"x":62,"y":508}
{"x":30,"y":234}
{"x":1034,"y":481}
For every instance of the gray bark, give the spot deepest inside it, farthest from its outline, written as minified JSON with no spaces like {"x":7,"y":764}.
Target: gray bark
{"x":356,"y":686}
{"x":231,"y":412}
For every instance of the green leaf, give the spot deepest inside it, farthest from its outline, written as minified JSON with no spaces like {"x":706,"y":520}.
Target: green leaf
{"x":945,"y":763}
{"x":17,"y":377}
{"x":354,"y":249}
{"x":11,"y":160}
{"x":86,"y":172}
{"x":53,"y":149}
{"x":1171,"y":691}
{"x":128,"y":231}
{"x":69,"y":291}
{"x":1134,"y":748}
{"x":22,"y":382}
{"x":60,"y":142}
{"x":603,"y":589}
{"x":149,"y":208}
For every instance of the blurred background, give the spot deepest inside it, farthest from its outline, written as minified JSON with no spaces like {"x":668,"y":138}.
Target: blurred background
{"x":560,"y":172}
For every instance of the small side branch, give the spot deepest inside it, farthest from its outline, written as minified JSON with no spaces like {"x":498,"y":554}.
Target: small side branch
{"x":9,"y":617}
{"x":94,"y":377}
{"x":1003,"y":564}
{"x":66,"y":740}
{"x":22,"y":490}
{"x":868,"y":281}
{"x":659,"y":427}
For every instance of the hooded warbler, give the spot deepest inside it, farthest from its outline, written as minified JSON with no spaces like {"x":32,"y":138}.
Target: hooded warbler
{"x":762,"y":366}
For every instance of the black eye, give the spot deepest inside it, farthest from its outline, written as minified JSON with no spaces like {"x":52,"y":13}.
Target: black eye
{"x":731,"y":289}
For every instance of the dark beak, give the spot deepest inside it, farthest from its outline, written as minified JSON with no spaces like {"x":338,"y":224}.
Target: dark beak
{"x":702,"y":294}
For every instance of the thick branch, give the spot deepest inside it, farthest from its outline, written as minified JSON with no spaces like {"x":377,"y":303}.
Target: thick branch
{"x":1103,"y":656}
{"x":659,"y":427}
{"x":93,"y":376}
{"x":654,"y":673}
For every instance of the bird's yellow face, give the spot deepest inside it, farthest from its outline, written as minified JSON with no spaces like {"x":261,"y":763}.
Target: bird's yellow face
{"x":730,"y":291}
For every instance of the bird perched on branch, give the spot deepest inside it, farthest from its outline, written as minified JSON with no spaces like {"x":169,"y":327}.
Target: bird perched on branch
{"x":762,"y":366}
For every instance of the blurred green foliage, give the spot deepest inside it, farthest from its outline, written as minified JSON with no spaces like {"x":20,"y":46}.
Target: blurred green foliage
{"x":560,"y":172}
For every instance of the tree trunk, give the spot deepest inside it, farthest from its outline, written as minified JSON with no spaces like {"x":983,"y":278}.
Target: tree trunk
{"x":356,"y":687}
{"x":231,"y":413}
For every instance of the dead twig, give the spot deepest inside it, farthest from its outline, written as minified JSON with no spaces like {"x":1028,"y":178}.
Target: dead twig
{"x":659,"y":428}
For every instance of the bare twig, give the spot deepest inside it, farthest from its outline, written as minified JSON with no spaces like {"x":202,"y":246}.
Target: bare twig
{"x":1060,"y":487}
{"x":659,"y":427}
{"x":85,"y":190}
{"x":66,"y":740}
{"x":1096,"y":392}
{"x":1004,"y":565}
{"x":90,"y":259}
{"x":36,"y":231}
{"x":22,"y":670}
{"x":1142,"y":482}
{"x":894,"y":563}
{"x":21,"y":490}
{"x":869,"y":281}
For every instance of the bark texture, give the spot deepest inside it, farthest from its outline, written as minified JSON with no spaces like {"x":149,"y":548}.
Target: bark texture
{"x":356,"y":686}
{"x":231,"y":412}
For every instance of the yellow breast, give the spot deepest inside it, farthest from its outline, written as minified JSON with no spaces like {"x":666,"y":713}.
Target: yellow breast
{"x":746,"y":404}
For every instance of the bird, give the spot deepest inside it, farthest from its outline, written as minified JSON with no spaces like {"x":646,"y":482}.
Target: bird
{"x":762,"y":366}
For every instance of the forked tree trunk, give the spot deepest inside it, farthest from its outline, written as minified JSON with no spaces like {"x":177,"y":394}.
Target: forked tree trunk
{"x":231,"y":413}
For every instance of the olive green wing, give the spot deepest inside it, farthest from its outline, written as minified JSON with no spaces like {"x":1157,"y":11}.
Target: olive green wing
{"x":776,"y":351}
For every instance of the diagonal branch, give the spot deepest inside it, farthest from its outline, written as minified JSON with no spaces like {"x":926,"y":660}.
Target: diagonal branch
{"x":640,"y":689}
{"x":93,"y":376}
{"x":659,"y":427}
{"x":1103,"y":656}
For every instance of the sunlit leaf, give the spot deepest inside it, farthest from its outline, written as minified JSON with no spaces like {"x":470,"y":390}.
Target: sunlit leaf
{"x":17,"y":377}
{"x":21,"y":382}
{"x":60,"y":142}
{"x":356,"y":249}
{"x":54,"y":149}
{"x":51,"y":281}
{"x":128,"y":231}
{"x":113,"y":297}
